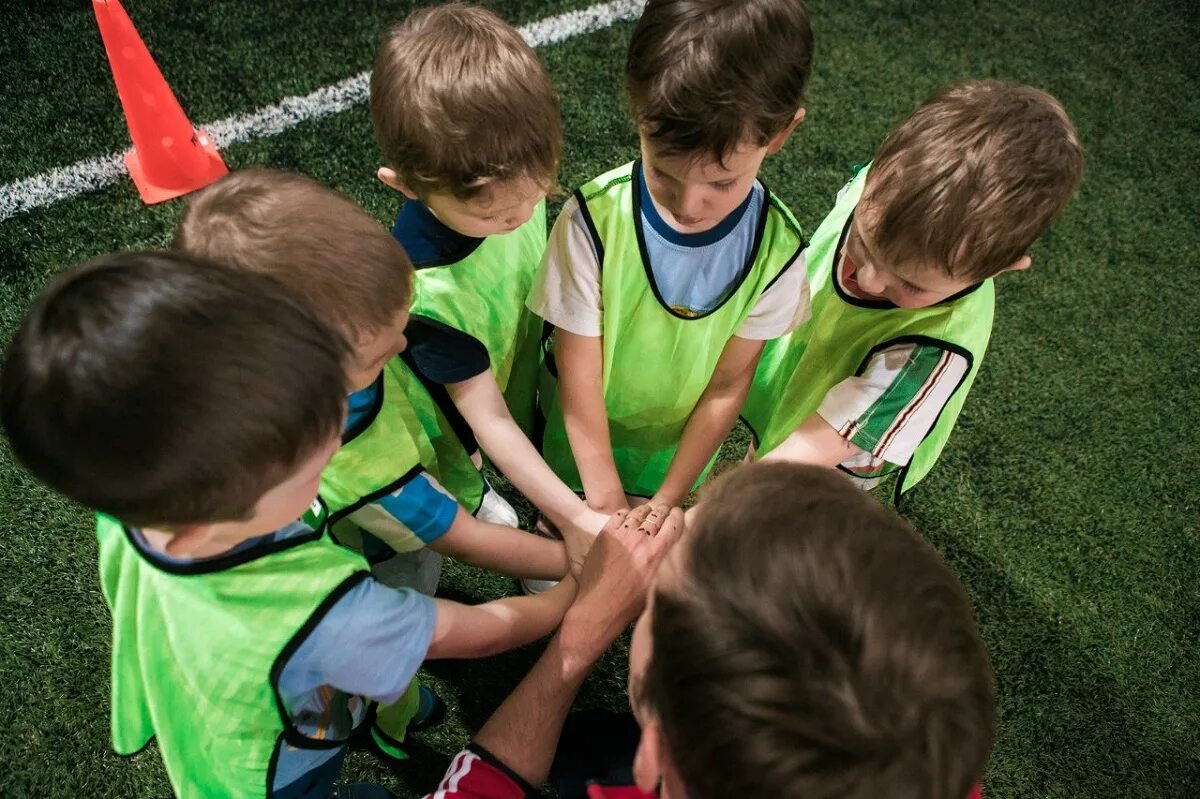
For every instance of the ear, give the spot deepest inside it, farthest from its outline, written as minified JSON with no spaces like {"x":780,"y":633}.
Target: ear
{"x":186,"y":541}
{"x":780,"y":138}
{"x":390,"y":178}
{"x":1024,"y":262}
{"x":647,"y":762}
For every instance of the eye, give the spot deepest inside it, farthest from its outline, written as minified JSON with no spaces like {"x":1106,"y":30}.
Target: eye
{"x":723,"y":185}
{"x":487,"y":218}
{"x":910,"y":288}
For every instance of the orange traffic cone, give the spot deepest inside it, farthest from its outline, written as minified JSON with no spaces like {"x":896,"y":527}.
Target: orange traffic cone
{"x":169,"y":157}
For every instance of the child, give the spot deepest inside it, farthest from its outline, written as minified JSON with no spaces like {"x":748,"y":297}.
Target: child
{"x":470,"y":130}
{"x":664,"y":277}
{"x":163,"y":391}
{"x":901,"y":274}
{"x":387,"y":478}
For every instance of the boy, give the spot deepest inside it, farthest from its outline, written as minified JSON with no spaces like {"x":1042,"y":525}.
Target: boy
{"x":162,"y":391}
{"x":470,"y":130}
{"x":901,"y":276}
{"x":800,"y":640}
{"x":664,"y":277}
{"x":386,"y":478}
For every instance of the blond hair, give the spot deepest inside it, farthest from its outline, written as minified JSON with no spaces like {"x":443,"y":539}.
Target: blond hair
{"x":459,"y":100}
{"x":972,"y":177}
{"x":320,"y":244}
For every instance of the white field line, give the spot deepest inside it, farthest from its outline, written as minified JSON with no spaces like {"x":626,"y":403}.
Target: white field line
{"x":92,"y":174}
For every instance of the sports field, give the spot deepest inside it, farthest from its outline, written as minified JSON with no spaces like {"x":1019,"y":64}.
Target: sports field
{"x":1066,"y":499}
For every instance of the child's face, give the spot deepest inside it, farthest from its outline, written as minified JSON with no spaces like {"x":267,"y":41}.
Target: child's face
{"x":694,"y":193}
{"x":868,"y":276}
{"x":499,"y":208}
{"x":375,"y":350}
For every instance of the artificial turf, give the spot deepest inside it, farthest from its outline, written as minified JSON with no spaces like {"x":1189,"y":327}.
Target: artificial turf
{"x":1065,"y":498}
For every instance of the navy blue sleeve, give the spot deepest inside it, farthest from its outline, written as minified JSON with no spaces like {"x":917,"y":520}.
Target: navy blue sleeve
{"x":441,"y":354}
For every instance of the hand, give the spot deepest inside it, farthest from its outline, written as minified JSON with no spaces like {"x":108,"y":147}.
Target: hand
{"x":617,"y":575}
{"x":578,"y":535}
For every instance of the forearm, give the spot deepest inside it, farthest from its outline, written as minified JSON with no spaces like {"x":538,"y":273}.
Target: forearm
{"x":475,"y":631}
{"x":814,"y":442}
{"x":501,"y":549}
{"x":707,"y":426}
{"x":523,"y":733}
{"x":581,"y":393}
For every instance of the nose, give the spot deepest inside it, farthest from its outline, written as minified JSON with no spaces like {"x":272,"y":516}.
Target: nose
{"x":868,"y":278}
{"x":689,"y":202}
{"x":403,"y":342}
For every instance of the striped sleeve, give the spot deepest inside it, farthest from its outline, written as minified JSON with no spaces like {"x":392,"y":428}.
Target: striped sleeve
{"x":475,"y":774}
{"x":890,"y":408}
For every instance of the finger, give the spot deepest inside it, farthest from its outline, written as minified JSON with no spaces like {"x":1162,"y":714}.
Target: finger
{"x":658,"y":514}
{"x":614,"y":522}
{"x":635,"y":517}
{"x":669,"y":532}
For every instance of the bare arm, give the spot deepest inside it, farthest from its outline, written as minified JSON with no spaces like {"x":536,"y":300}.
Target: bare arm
{"x":502,"y":549}
{"x":712,"y":418}
{"x":480,"y":402}
{"x":815,"y":442}
{"x":476,"y":631}
{"x":523,"y":732}
{"x":580,"y":362}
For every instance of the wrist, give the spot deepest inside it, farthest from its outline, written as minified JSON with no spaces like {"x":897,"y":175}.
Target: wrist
{"x":581,"y":641}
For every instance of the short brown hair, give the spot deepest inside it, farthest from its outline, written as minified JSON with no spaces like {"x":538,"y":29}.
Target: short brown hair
{"x":459,"y":99}
{"x":166,"y":390}
{"x":816,"y":647}
{"x":972,"y":178}
{"x":323,"y":246}
{"x":705,"y":76}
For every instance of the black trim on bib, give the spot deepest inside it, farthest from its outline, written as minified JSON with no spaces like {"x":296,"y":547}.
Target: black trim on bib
{"x":362,"y":502}
{"x":138,"y":751}
{"x":363,"y":422}
{"x":782,"y":209}
{"x":273,"y":765}
{"x":442,"y":401}
{"x":591,"y":228}
{"x":293,"y":736}
{"x":225,"y":562}
{"x":931,"y":342}
{"x":734,"y":287}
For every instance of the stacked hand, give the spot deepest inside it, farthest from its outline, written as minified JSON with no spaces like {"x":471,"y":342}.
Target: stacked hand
{"x":617,"y":574}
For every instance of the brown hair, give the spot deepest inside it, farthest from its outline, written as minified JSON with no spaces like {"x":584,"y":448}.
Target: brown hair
{"x":817,"y":647}
{"x":166,"y":390}
{"x":704,"y":76}
{"x":459,"y":99}
{"x":323,"y":246}
{"x":972,"y":178}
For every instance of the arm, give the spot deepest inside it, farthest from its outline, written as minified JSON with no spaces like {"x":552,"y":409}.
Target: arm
{"x":712,"y":418}
{"x":501,"y":549}
{"x":815,"y":442}
{"x":480,"y":402}
{"x":523,"y":732}
{"x":476,"y":631}
{"x":581,"y":392}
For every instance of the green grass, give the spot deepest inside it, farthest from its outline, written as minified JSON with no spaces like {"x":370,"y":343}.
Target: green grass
{"x":1066,"y":498}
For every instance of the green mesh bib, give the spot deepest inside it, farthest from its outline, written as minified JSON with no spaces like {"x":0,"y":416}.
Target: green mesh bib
{"x":837,"y":342}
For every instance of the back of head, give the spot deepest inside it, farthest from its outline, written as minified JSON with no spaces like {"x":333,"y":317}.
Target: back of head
{"x":459,"y":99}
{"x":972,"y":178}
{"x":816,"y":647}
{"x":322,"y":245}
{"x":166,"y":390}
{"x":705,"y":76}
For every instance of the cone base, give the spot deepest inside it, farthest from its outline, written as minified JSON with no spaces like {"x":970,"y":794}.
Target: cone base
{"x":206,"y":167}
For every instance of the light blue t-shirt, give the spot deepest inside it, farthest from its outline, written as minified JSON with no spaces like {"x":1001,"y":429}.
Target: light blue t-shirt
{"x":369,"y":644}
{"x":695,"y":272}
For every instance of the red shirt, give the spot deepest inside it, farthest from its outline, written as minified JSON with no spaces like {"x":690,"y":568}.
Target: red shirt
{"x":476,"y":774}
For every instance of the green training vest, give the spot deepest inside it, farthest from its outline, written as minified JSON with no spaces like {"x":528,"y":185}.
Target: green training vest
{"x":387,"y":448}
{"x":657,"y":362}
{"x":483,"y":295}
{"x":841,"y":337}
{"x":197,"y":650}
